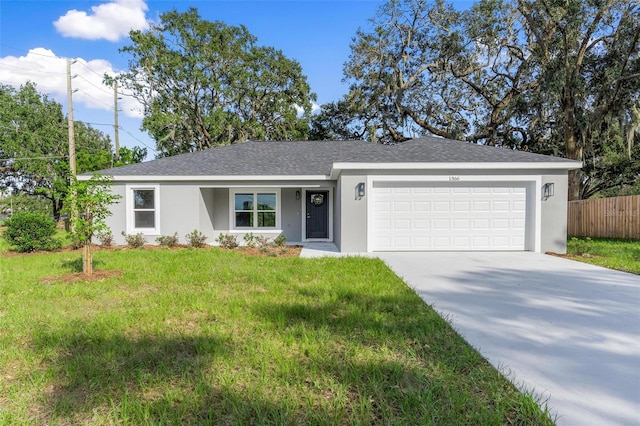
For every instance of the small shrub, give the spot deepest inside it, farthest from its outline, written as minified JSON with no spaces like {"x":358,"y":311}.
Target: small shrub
{"x":227,"y":241}
{"x":134,"y":240}
{"x":168,"y":240}
{"x":580,"y":246}
{"x":195,"y":239}
{"x":30,"y":231}
{"x":280,"y":240}
{"x":250,"y":240}
{"x":106,"y":238}
{"x":262,"y":241}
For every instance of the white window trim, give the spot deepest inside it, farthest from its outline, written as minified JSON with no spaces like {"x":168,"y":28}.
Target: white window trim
{"x":253,"y":190}
{"x":131,"y":229}
{"x":303,"y":199}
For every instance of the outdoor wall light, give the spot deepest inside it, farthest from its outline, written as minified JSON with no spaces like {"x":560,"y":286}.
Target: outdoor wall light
{"x":360,"y":189}
{"x":547,"y":190}
{"x":297,"y":195}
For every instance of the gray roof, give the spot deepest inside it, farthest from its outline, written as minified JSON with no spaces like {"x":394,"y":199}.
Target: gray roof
{"x":301,"y":158}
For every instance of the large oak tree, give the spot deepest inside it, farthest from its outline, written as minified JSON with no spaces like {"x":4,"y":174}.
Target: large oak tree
{"x":549,"y":76}
{"x":204,"y":84}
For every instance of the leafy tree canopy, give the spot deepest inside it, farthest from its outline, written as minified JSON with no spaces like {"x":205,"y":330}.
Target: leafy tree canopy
{"x":554,"y":77}
{"x":34,"y":146}
{"x":204,"y":84}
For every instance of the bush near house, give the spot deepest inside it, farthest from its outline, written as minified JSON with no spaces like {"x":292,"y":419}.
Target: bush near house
{"x":31,"y":231}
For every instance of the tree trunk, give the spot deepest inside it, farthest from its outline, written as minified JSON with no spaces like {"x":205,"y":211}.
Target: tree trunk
{"x":87,"y":261}
{"x":572,"y":150}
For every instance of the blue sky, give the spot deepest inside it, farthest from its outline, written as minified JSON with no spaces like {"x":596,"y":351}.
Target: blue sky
{"x":37,"y":36}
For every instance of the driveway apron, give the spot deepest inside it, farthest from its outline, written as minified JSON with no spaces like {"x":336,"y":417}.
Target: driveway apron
{"x":564,"y":330}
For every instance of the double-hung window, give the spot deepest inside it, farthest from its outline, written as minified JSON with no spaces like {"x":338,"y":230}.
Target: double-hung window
{"x":255,"y":209}
{"x":143,"y":210}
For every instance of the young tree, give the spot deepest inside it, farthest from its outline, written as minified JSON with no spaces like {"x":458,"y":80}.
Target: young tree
{"x":91,"y":199}
{"x":204,"y":84}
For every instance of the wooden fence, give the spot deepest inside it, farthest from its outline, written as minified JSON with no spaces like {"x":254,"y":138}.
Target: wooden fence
{"x":615,"y":217}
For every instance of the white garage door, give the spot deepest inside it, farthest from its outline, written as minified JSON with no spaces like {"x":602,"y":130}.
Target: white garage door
{"x":449,"y":216}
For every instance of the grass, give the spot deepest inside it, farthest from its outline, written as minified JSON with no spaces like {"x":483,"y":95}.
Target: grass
{"x":623,"y":255}
{"x":217,"y":337}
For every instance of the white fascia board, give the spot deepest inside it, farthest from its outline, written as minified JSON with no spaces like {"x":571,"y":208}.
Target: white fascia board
{"x":560,"y":165}
{"x":201,"y":178}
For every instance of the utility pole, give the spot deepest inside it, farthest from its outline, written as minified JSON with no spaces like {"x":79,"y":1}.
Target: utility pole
{"x":115,"y":120}
{"x":72,"y":141}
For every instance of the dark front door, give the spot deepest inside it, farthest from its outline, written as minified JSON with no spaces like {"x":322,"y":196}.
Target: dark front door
{"x":317,"y":214}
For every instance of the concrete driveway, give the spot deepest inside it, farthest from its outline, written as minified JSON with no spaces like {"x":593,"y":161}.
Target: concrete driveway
{"x":568,"y":331}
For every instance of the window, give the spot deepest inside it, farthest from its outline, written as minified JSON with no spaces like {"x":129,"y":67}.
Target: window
{"x":143,"y":209}
{"x":255,"y":209}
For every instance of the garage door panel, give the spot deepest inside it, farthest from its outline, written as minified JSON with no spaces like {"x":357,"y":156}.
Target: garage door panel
{"x":449,"y":216}
{"x":461,"y":224}
{"x":441,"y":206}
{"x":421,"y":224}
{"x":461,"y":206}
{"x":401,"y":206}
{"x":421,"y":206}
{"x":482,"y":206}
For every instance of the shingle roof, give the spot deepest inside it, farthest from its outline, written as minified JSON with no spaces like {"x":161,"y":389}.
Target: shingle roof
{"x":253,"y":158}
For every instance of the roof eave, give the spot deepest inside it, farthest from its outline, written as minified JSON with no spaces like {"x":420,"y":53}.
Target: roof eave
{"x":225,"y":178}
{"x":546,"y":165}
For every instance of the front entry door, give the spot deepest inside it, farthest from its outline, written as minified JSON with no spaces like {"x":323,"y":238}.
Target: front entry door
{"x":317,"y":214}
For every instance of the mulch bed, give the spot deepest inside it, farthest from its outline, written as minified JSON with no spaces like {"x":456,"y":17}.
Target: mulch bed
{"x":99,"y":275}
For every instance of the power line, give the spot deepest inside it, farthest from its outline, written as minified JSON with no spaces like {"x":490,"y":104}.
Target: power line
{"x":95,"y":99}
{"x":129,"y":133}
{"x":32,"y":69}
{"x":48,"y":157}
{"x":90,"y":69}
{"x":95,"y":124}
{"x":29,"y":52}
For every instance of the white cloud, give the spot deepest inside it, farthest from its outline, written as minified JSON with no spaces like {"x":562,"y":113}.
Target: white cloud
{"x":110,"y":21}
{"x":49,"y":72}
{"x":315,"y":108}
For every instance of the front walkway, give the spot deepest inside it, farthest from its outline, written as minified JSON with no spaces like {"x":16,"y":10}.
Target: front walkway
{"x":319,"y":250}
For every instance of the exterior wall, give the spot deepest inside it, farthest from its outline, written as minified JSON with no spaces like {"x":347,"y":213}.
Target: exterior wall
{"x":184,"y":207}
{"x":353,"y":214}
{"x":195,"y":205}
{"x":179,"y":211}
{"x":337,"y":217}
{"x":117,"y":222}
{"x":351,"y":222}
{"x":291,"y":220}
{"x":220,"y":210}
{"x":554,"y":214}
{"x":206,"y":210}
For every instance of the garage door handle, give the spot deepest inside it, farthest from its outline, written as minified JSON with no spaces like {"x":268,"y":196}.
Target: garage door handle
{"x":308,"y":215}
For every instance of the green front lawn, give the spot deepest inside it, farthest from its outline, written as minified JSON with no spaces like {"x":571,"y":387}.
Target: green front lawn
{"x":216,"y":337}
{"x":623,"y":255}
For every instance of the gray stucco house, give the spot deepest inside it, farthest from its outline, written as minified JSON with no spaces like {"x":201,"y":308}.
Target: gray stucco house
{"x":423,"y":194}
